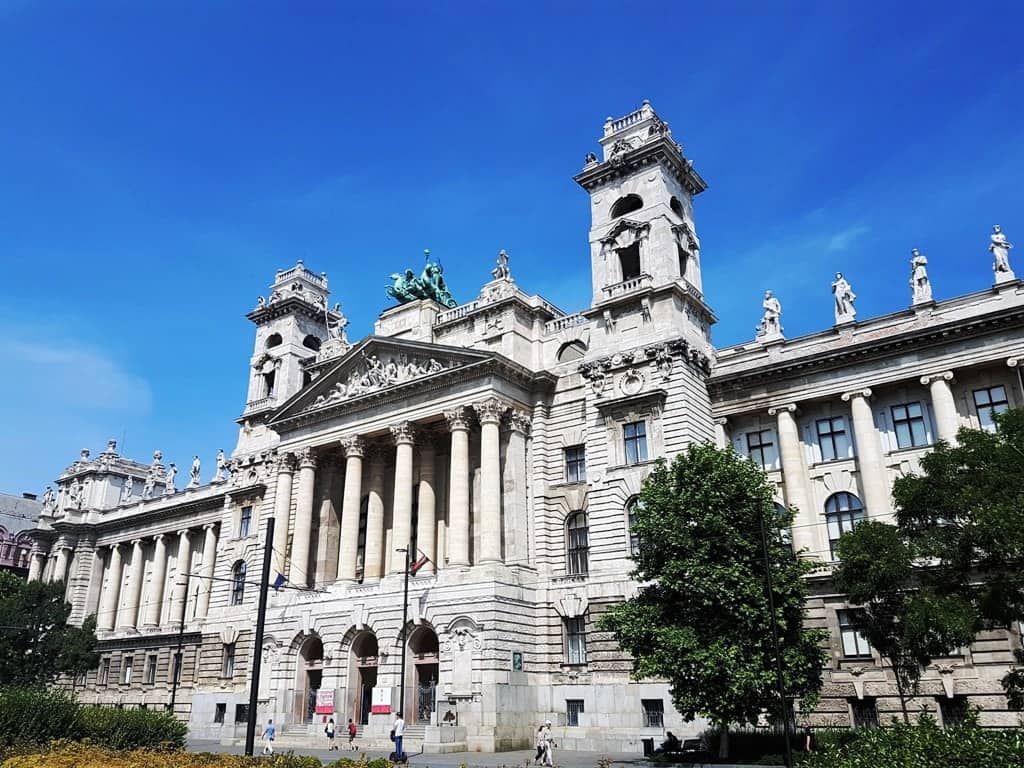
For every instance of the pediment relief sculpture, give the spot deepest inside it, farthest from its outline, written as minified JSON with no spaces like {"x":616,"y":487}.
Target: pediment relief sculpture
{"x":372,"y":374}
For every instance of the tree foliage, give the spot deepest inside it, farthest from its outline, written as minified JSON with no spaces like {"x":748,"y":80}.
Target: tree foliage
{"x":36,"y":643}
{"x":702,"y":620}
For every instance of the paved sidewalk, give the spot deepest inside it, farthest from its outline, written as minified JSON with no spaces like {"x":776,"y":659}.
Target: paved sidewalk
{"x":563,"y":758}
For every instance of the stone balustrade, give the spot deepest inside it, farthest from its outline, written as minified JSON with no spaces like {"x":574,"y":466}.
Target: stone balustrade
{"x":628,"y":286}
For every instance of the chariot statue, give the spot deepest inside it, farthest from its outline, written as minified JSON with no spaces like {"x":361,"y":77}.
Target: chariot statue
{"x":430,"y":284}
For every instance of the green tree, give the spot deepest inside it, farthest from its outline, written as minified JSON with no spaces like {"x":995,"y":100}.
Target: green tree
{"x":907,"y":624}
{"x":965,"y":514}
{"x":36,"y":643}
{"x":701,"y":621}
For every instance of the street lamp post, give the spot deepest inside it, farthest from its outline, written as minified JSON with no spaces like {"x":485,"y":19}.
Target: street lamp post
{"x":401,"y":634}
{"x":775,"y":643}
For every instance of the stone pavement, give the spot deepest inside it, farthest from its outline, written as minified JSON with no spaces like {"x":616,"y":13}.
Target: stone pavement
{"x":518,"y":758}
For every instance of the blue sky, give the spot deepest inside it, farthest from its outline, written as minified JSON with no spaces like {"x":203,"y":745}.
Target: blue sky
{"x":161,"y":160}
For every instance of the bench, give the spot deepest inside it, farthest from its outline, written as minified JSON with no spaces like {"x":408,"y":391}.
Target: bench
{"x":688,"y":751}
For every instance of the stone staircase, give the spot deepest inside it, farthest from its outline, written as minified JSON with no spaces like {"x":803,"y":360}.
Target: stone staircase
{"x":302,"y":735}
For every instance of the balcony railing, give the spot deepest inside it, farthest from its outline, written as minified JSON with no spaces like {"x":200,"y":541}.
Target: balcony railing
{"x":627,"y":286}
{"x":561,"y":323}
{"x":259,"y":405}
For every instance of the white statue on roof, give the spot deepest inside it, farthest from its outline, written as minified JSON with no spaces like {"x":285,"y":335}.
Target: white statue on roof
{"x":1000,"y":248}
{"x":770,"y":326}
{"x":844,"y":297}
{"x":919,"y":282}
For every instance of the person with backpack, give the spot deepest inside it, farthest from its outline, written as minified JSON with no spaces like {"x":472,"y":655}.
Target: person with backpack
{"x":329,"y":733}
{"x":351,"y":735}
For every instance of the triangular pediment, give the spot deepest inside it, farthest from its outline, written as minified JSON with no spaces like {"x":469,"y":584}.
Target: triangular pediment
{"x":376,"y":366}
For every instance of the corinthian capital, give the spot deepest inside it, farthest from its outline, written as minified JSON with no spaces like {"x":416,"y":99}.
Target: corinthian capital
{"x":490,"y":411}
{"x":306,"y":458}
{"x":520,"y":421}
{"x":403,"y":433}
{"x":353,"y":446}
{"x":457,"y":418}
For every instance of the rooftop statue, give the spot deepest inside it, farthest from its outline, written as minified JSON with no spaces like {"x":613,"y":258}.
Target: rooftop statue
{"x":919,"y":283}
{"x":844,"y":298}
{"x":430,"y":284}
{"x":1000,"y":248}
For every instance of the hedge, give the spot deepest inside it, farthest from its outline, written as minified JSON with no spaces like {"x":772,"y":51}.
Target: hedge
{"x":37,"y":717}
{"x":922,"y":745}
{"x":76,"y":755}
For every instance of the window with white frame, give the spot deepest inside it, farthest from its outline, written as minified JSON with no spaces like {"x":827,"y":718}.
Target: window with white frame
{"x":833,"y":439}
{"x":654,"y":713}
{"x":855,"y":646}
{"x":573,"y":709}
{"x":575,"y":464}
{"x":761,"y":448}
{"x":577,"y":537}
{"x":988,"y":402}
{"x":576,"y":640}
{"x":908,"y":423}
{"x":634,"y":436}
{"x":632,"y":506}
{"x":244,"y":521}
{"x":842,"y":511}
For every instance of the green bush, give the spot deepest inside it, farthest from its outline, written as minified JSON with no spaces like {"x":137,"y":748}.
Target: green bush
{"x":362,"y":762}
{"x":77,"y":755}
{"x":922,"y":745}
{"x":36,"y":716}
{"x":131,"y":728}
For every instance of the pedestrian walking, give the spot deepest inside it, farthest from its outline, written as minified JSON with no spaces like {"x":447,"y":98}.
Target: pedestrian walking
{"x":268,"y":738}
{"x":549,"y":745}
{"x":351,"y":735}
{"x":398,"y":731}
{"x":329,"y":733}
{"x":538,"y":742}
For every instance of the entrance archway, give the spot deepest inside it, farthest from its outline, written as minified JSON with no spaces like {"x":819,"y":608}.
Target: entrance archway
{"x":421,"y":676}
{"x":310,"y":668}
{"x":362,"y":675}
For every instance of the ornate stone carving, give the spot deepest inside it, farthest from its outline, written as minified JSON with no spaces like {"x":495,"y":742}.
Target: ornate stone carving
{"x":847,"y":396}
{"x":770,"y":327}
{"x":1000,"y":247}
{"x":48,"y":499}
{"x":462,"y":638}
{"x":306,"y":458}
{"x":501,"y":270}
{"x":920,"y":286}
{"x":222,"y":467}
{"x":126,"y":489}
{"x":403,"y":432}
{"x":490,"y":411}
{"x":844,"y":297}
{"x":195,"y":473}
{"x":792,"y":408}
{"x":430,"y":284}
{"x":520,"y":421}
{"x":373,"y":375}
{"x":353,"y":446}
{"x":632,"y":382}
{"x":172,"y":472}
{"x":457,"y":418}
{"x":927,"y":379}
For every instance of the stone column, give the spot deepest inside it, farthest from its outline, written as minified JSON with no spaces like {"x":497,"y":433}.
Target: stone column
{"x":155,"y":598}
{"x":946,"y":418}
{"x":282,"y":511}
{"x":348,"y":548}
{"x":402,"y":434}
{"x":35,"y":566}
{"x":515,"y":491}
{"x":300,"y":575}
{"x":108,"y":602}
{"x":209,"y":558}
{"x":458,"y":488}
{"x":373,"y":560}
{"x":794,"y":476}
{"x":490,"y":412}
{"x":722,"y":432}
{"x":873,"y":479}
{"x":426,"y":505}
{"x":128,"y":615}
{"x":60,"y":568}
{"x":179,"y":592}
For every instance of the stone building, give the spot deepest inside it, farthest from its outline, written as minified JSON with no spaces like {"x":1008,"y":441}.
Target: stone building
{"x":502,"y":443}
{"x":18,"y":516}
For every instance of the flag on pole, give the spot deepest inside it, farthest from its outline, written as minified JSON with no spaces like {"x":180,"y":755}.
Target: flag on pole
{"x":279,"y":582}
{"x":414,"y":567}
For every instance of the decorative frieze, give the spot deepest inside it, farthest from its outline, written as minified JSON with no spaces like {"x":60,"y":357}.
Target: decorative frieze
{"x":372,"y":375}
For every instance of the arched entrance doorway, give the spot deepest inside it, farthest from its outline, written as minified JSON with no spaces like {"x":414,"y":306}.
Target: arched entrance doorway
{"x":421,"y":676}
{"x":362,"y":675}
{"x":311,"y":672}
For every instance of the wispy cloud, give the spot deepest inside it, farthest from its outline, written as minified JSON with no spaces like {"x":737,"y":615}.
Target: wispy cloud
{"x":842,"y":240}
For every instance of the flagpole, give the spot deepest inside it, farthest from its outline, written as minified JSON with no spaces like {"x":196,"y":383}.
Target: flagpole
{"x":405,"y":619}
{"x":257,"y":651}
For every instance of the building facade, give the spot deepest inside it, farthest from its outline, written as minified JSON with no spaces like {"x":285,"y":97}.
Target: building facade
{"x":500,"y":444}
{"x":18,"y":516}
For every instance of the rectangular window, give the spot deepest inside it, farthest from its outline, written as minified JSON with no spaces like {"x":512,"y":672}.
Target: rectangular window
{"x":908,"y":421}
{"x":953,"y":711}
{"x":104,"y":674}
{"x":241,"y":713}
{"x":654,"y":713}
{"x":865,"y":713}
{"x":573,"y":708}
{"x":151,"y":669}
{"x":176,"y":668}
{"x":576,"y":464}
{"x":635,"y":437}
{"x":577,"y":536}
{"x":244,"y":521}
{"x":988,"y":402}
{"x":832,"y":438}
{"x":227,"y":667}
{"x":129,"y":664}
{"x":854,"y":644}
{"x":761,"y":448}
{"x":634,"y":538}
{"x":220,"y":709}
{"x":576,"y":640}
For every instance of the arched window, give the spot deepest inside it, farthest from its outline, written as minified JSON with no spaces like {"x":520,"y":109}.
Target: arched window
{"x":626,"y":204}
{"x":238,"y":582}
{"x":577,"y":537}
{"x":632,"y":506}
{"x":842,"y":512}
{"x":274,"y":340}
{"x":311,"y":342}
{"x":571,"y":350}
{"x":676,"y":206}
